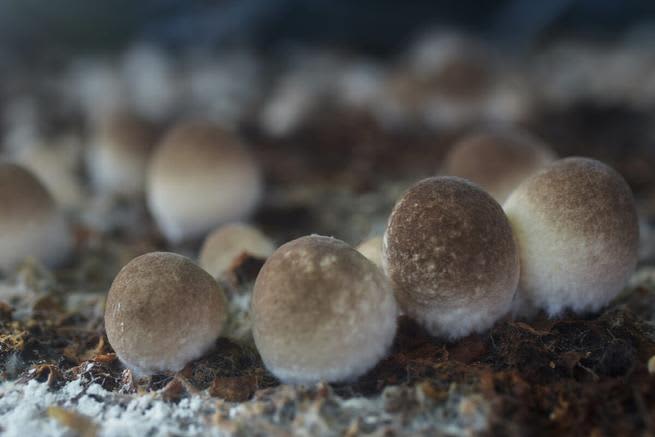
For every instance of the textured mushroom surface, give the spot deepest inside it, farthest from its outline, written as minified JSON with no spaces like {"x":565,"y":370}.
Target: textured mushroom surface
{"x":119,"y":154}
{"x":321,"y":311}
{"x":31,"y":223}
{"x":199,"y":177}
{"x":577,"y":229}
{"x":497,"y":160}
{"x":163,"y":311}
{"x":451,"y":257}
{"x":223,"y":246}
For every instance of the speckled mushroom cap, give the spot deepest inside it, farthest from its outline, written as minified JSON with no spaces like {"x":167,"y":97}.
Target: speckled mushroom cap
{"x":372,"y":250}
{"x":451,"y":257}
{"x":163,"y":311}
{"x":497,"y":160}
{"x":228,"y":242}
{"x":200,"y":177}
{"x":31,"y":223}
{"x":119,"y":154}
{"x":321,"y":311}
{"x":577,"y":229}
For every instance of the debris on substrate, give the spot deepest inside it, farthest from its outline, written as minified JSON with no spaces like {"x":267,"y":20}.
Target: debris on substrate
{"x":574,"y":375}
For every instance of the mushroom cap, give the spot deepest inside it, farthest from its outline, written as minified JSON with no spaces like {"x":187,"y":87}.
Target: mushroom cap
{"x":451,"y":257}
{"x":497,"y":160}
{"x":55,"y":164}
{"x":31,"y":223}
{"x":321,"y":311}
{"x":198,"y":178}
{"x":372,"y":250}
{"x":119,"y":154}
{"x":228,"y":242}
{"x":577,"y":230}
{"x":163,"y":311}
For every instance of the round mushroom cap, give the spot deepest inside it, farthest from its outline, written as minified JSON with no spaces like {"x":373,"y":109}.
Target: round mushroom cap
{"x":162,"y":312}
{"x":497,"y":160}
{"x":31,"y":223}
{"x":451,"y":257}
{"x":372,"y":250}
{"x":228,"y":242}
{"x":119,"y":155}
{"x":321,"y":311}
{"x":198,"y":178}
{"x":577,"y":230}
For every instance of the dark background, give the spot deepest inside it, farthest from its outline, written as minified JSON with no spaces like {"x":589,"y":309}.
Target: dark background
{"x":30,"y":28}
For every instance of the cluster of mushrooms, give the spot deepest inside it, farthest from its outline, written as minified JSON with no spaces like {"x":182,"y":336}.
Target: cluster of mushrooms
{"x":452,"y":258}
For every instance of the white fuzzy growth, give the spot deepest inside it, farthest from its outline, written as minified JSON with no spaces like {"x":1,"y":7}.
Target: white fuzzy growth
{"x":373,"y":338}
{"x":47,"y":239}
{"x":192,"y":209}
{"x":172,"y":360}
{"x":454,"y":323}
{"x":561,"y":270}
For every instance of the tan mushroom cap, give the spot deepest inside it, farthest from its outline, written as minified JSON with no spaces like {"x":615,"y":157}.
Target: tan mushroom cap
{"x":200,"y":177}
{"x":578,"y":234}
{"x":321,"y":311}
{"x":451,"y":257}
{"x":372,"y":250}
{"x":162,"y":312}
{"x":119,"y":154}
{"x":31,"y":223}
{"x":497,"y":160}
{"x":228,"y":242}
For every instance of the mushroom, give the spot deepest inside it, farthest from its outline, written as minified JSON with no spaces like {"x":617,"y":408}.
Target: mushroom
{"x":228,"y":242}
{"x":321,"y":311}
{"x":119,"y":154}
{"x":577,"y":230}
{"x":200,"y":177}
{"x":31,"y":222}
{"x":372,"y":250}
{"x":55,"y":163}
{"x":162,"y":312}
{"x":497,"y":160}
{"x":451,"y":257}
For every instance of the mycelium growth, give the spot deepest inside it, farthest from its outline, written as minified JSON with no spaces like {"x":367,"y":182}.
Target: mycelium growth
{"x":224,"y":245}
{"x":163,"y":311}
{"x":498,"y":160}
{"x":577,"y":229}
{"x":201,"y":176}
{"x":31,"y":223}
{"x":119,"y":154}
{"x":321,"y":311}
{"x":451,"y":257}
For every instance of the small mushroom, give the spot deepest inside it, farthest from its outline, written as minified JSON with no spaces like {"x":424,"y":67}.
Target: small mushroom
{"x":162,"y":312}
{"x":119,"y":154}
{"x":31,"y":222}
{"x":228,"y":242}
{"x":200,"y":177}
{"x":497,"y":160}
{"x":321,"y":311}
{"x":578,"y":234}
{"x":451,"y":257}
{"x":372,"y":250}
